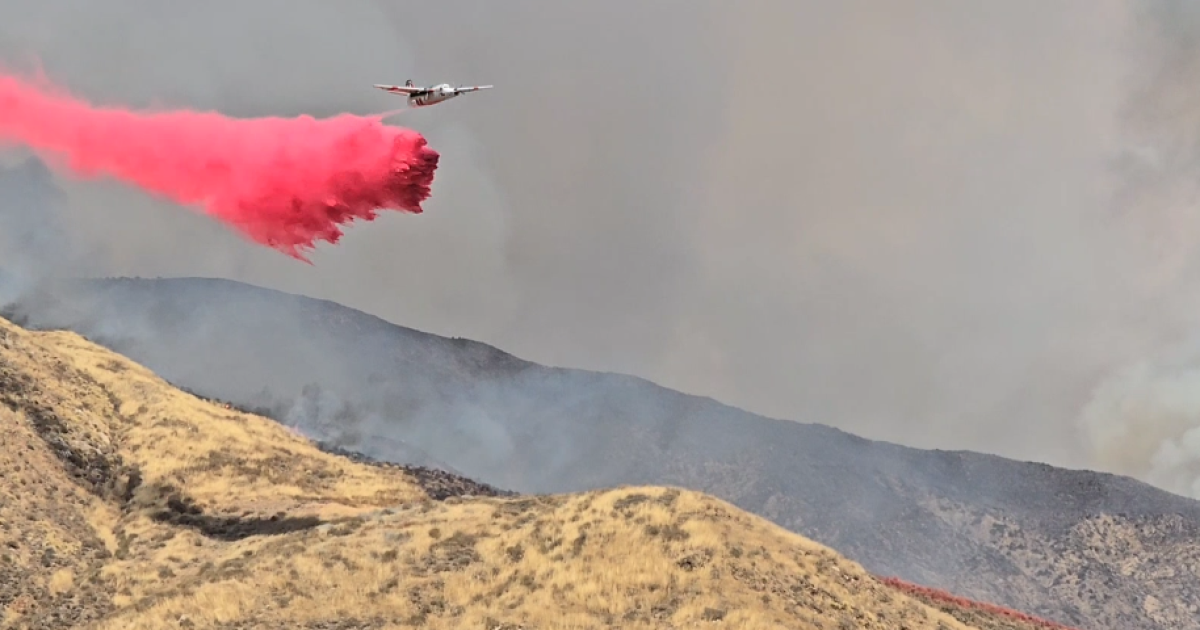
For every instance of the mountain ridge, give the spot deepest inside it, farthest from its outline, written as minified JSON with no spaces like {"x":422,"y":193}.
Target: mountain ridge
{"x":989,"y":528}
{"x":128,"y":504}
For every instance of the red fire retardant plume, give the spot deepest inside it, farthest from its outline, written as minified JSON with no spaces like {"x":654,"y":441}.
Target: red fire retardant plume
{"x":283,"y":182}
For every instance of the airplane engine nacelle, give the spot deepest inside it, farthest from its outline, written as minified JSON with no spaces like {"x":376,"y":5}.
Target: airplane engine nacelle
{"x":425,"y":100}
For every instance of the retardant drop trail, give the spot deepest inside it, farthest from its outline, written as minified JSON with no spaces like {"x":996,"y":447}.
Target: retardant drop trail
{"x":283,"y":182}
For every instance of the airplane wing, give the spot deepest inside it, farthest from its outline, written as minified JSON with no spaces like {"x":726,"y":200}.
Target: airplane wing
{"x":473,"y":88}
{"x":399,"y":89}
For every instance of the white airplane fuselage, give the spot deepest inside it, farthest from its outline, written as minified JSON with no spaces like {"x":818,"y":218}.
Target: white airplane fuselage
{"x":435,"y":95}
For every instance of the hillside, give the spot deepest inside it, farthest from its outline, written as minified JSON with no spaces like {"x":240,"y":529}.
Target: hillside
{"x":126,"y":503}
{"x":1080,"y":548}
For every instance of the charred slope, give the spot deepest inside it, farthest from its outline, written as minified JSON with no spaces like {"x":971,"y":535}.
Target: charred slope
{"x":1079,"y":547}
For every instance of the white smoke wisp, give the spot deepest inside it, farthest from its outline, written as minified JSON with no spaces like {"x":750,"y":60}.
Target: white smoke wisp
{"x":1144,"y":421}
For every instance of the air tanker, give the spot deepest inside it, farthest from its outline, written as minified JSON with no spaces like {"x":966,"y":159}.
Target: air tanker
{"x":425,"y":96}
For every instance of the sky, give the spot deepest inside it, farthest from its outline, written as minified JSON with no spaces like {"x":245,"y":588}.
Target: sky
{"x":945,"y":224}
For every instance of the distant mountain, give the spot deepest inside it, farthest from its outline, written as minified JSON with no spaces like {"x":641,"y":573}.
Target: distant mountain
{"x":1082,"y":548}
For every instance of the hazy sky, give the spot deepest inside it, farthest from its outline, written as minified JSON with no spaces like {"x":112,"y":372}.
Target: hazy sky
{"x":933,"y":222}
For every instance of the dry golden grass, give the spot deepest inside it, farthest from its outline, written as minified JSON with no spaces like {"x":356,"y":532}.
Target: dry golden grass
{"x":628,"y":558}
{"x":202,"y":517}
{"x":44,"y":533}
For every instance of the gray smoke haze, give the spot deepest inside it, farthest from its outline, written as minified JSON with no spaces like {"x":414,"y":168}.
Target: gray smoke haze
{"x":34,"y":245}
{"x":1143,"y":418}
{"x":931,"y":222}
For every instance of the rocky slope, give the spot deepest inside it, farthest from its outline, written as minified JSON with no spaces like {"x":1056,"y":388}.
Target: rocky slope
{"x":1080,"y":548}
{"x":128,"y":504}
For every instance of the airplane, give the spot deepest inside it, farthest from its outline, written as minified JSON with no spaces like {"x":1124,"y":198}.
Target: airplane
{"x":426,"y":96}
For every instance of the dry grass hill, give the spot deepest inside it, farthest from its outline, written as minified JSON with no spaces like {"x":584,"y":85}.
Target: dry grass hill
{"x":127,"y":504}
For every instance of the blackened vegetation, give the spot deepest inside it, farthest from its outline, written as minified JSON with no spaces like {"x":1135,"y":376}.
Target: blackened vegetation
{"x":26,"y":561}
{"x":168,"y":505}
{"x":438,"y":484}
{"x":254,"y":411}
{"x":99,"y":468}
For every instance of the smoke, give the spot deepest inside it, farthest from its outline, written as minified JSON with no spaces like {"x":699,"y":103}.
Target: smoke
{"x":34,"y":246}
{"x":1144,"y":420}
{"x":931,"y":222}
{"x":283,"y":182}
{"x":1143,"y":416}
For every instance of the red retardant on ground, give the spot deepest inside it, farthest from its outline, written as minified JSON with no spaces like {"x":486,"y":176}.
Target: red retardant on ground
{"x":936,"y":595}
{"x":283,"y":182}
